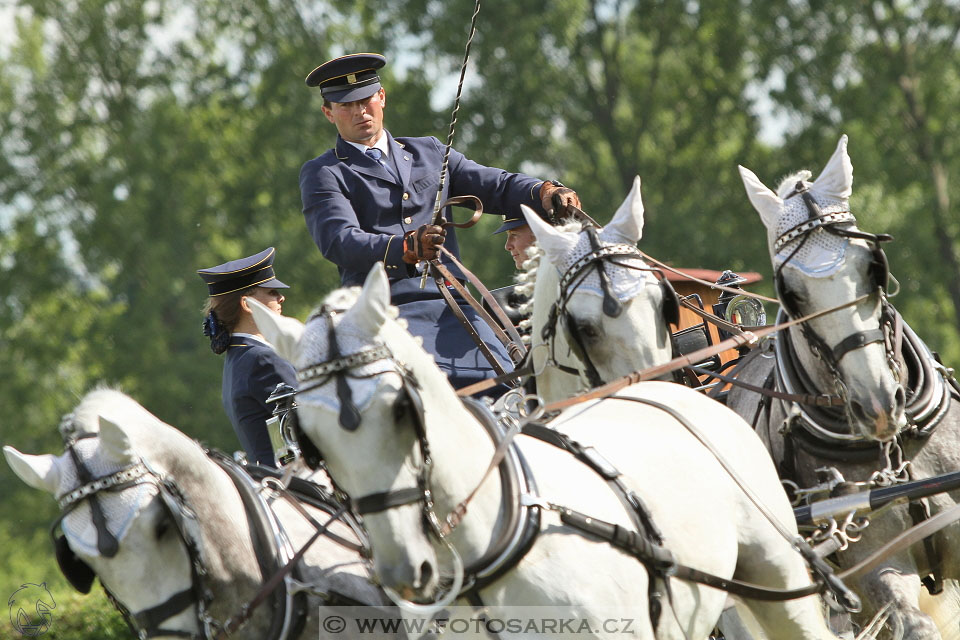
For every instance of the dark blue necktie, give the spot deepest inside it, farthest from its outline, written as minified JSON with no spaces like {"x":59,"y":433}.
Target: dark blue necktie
{"x":377,"y":155}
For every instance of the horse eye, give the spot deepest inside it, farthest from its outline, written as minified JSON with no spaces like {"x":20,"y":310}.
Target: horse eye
{"x":400,"y":407}
{"x":589,"y":330}
{"x":162,"y":527}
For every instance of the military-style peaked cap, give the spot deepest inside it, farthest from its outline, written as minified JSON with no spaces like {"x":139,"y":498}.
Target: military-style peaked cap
{"x":237,"y":275}
{"x":348,"y":78}
{"x":511,"y":221}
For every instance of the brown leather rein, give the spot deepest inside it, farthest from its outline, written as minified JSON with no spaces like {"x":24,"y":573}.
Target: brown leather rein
{"x":747,"y":337}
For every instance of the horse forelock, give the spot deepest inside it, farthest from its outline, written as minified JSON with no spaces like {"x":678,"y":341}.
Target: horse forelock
{"x":789,"y":183}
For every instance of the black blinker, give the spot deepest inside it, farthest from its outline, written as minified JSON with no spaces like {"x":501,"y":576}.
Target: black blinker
{"x":77,"y":572}
{"x":671,"y":303}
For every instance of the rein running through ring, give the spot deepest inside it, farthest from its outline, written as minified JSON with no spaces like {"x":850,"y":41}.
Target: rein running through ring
{"x":598,"y":257}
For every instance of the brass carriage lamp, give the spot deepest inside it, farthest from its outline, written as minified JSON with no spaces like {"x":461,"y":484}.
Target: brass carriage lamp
{"x":738,"y":309}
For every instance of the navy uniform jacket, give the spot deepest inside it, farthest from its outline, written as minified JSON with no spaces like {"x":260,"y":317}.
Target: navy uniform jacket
{"x":358,"y":214}
{"x":251,"y":371}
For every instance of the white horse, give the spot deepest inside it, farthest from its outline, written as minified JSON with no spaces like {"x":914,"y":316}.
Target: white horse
{"x":890,"y":393}
{"x":178,"y":547}
{"x":389,"y":454}
{"x":596,"y":330}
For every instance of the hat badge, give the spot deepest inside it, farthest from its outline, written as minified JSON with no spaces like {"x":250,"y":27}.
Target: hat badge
{"x":351,"y":78}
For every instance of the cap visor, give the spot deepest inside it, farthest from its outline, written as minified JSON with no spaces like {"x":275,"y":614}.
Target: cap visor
{"x":510,"y":224}
{"x":350,"y":95}
{"x":273,"y":283}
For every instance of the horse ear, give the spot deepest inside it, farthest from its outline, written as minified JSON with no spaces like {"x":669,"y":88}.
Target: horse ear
{"x":280,"y":331}
{"x":554,"y":242}
{"x":766,"y":202}
{"x":40,"y":472}
{"x":114,"y":442}
{"x":371,"y":308}
{"x":627,"y":223}
{"x":836,"y":179}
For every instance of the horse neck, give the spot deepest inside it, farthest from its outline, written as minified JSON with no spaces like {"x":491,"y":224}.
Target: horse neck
{"x":459,"y":447}
{"x":552,"y":383}
{"x":226,"y":543}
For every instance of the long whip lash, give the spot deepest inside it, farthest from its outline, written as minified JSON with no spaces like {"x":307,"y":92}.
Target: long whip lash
{"x":437,"y":216}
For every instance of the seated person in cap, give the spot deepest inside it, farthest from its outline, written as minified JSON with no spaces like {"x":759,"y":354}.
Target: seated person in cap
{"x":371,"y":198}
{"x":252,"y":369}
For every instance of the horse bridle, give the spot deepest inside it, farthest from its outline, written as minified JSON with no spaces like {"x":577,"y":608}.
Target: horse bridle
{"x":288,"y":613}
{"x":146,"y":623}
{"x":340,"y":367}
{"x":837,"y":223}
{"x":599,"y":256}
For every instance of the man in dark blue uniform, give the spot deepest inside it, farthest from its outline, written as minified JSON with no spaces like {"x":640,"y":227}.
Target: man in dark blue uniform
{"x":371,"y":198}
{"x":252,"y":369}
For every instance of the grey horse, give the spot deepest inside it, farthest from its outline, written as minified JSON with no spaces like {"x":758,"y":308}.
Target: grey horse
{"x":887,"y":411}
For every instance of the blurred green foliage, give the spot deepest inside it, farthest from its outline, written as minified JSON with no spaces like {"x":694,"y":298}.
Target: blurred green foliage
{"x":143,"y":139}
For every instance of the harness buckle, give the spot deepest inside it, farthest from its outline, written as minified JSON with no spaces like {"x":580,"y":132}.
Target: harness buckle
{"x":533,"y":500}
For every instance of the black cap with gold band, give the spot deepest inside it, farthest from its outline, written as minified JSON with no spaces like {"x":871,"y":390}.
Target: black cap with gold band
{"x":348,"y":78}
{"x":237,"y":275}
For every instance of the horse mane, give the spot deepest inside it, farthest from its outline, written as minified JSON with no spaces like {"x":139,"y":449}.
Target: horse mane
{"x":527,"y":279}
{"x":108,"y":402}
{"x":787,"y":185}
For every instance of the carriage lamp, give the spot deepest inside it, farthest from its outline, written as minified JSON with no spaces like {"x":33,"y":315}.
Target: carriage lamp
{"x":280,"y":426}
{"x":735,"y":308}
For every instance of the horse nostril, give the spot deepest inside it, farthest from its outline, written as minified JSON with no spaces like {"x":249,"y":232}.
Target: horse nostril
{"x":426,"y":573}
{"x":899,"y":400}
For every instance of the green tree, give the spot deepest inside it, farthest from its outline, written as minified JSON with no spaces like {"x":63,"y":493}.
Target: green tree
{"x":594,"y":92}
{"x":884,"y":72}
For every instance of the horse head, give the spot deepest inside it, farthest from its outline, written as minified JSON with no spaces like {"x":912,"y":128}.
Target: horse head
{"x":359,"y":402}
{"x":821,"y":260}
{"x":600,"y":301}
{"x":115,"y":520}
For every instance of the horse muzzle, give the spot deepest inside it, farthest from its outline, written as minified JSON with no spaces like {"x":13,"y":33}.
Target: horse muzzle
{"x":877,"y":417}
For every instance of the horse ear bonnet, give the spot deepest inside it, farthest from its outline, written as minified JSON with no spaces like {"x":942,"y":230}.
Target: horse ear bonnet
{"x":77,"y":572}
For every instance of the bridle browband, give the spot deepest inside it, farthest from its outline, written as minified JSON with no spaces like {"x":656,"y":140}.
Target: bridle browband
{"x":599,"y":256}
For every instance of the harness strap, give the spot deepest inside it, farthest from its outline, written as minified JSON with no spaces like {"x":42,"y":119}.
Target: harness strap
{"x":513,"y":345}
{"x":820,"y":400}
{"x":234,"y":623}
{"x":857,"y":340}
{"x":748,"y":338}
{"x":458,"y":313}
{"x":149,"y":619}
{"x":651,"y":537}
{"x":377,"y":502}
{"x":491,"y":301}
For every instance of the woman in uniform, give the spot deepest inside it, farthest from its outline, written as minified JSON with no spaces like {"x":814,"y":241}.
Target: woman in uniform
{"x":251,"y":369}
